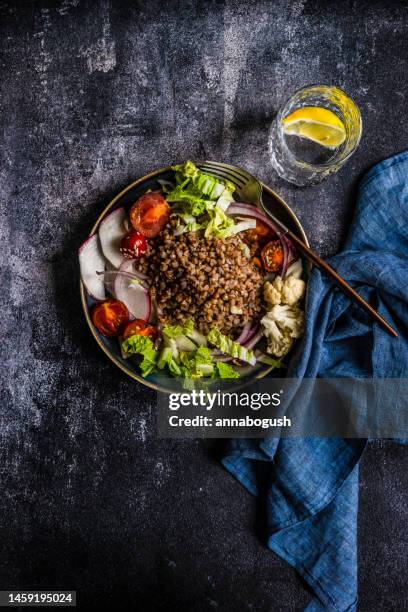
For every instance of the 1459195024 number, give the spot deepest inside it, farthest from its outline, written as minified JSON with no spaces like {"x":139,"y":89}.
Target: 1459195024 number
{"x":38,"y":598}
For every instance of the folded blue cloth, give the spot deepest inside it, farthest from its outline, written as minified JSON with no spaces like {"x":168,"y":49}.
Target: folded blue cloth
{"x":310,"y":486}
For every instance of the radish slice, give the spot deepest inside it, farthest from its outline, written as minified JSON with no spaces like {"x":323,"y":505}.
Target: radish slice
{"x":108,"y":280}
{"x":128,"y":266}
{"x":134,"y":296}
{"x":109,"y":277}
{"x":126,"y":224}
{"x":111,"y":232}
{"x":91,"y":260}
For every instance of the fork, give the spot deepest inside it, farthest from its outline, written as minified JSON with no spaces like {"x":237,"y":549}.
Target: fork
{"x":249,"y":189}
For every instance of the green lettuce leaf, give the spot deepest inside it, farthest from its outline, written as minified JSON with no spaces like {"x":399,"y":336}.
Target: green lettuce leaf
{"x":229,"y":347}
{"x":187,"y":223}
{"x":141,"y":345}
{"x":203,"y":355}
{"x":198,"y":192}
{"x":176,"y":331}
{"x":219,"y":225}
{"x":263,"y":358}
{"x":189,"y":365}
{"x":222,"y":226}
{"x":190,"y":200}
{"x":225,"y":199}
{"x":192,"y":365}
{"x":205,"y":184}
{"x":225,"y":370}
{"x":208,"y":185}
{"x":198,"y":364}
{"x":188,"y":170}
{"x":197,"y":338}
{"x":166,"y":358}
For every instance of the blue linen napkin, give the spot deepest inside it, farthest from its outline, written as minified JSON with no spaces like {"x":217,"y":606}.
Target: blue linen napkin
{"x":310,"y":486}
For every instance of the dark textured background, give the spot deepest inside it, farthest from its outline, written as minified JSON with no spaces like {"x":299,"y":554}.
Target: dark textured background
{"x":93,"y":95}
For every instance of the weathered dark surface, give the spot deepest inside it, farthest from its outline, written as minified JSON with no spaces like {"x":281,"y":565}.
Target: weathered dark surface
{"x":93,"y":95}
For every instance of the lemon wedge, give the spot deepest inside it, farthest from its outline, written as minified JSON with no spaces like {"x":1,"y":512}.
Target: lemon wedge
{"x":316,"y":123}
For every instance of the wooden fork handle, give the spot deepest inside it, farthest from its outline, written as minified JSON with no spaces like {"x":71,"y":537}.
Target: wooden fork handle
{"x":344,"y":286}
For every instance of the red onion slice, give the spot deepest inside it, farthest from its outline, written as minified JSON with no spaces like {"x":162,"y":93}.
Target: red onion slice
{"x":285,"y":263}
{"x":253,"y":341}
{"x":249,"y":210}
{"x":166,"y":184}
{"x":218,"y":356}
{"x":244,"y":335}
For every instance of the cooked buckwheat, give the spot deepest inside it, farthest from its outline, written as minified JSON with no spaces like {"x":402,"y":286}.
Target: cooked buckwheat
{"x":205,"y":279}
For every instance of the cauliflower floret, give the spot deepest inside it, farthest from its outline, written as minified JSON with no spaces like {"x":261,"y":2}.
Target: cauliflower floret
{"x":273,"y":291}
{"x":288,"y":291}
{"x":282,"y":325}
{"x":279,"y":344}
{"x":293,"y":290}
{"x":289,"y":317}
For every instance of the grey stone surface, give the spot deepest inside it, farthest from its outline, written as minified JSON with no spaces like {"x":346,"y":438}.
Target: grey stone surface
{"x":93,"y":95}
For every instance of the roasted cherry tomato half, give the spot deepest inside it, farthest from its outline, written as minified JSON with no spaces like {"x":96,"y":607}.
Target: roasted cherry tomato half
{"x":109,"y":317}
{"x":133,"y":245}
{"x":258,"y":233}
{"x":150,"y":214}
{"x":272,"y":256}
{"x":138,"y":327}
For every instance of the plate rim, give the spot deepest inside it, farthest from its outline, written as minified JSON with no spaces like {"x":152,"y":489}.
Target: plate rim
{"x":150,"y":175}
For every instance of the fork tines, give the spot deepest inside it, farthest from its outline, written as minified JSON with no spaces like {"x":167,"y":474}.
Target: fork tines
{"x":225,"y":171}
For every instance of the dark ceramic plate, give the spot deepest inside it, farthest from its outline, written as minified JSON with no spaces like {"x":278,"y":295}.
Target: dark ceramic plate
{"x":159,"y":380}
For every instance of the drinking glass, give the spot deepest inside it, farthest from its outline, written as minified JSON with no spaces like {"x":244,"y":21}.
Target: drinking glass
{"x":303,"y":161}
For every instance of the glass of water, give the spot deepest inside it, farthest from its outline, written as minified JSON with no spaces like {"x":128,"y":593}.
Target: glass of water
{"x":314,"y":134}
